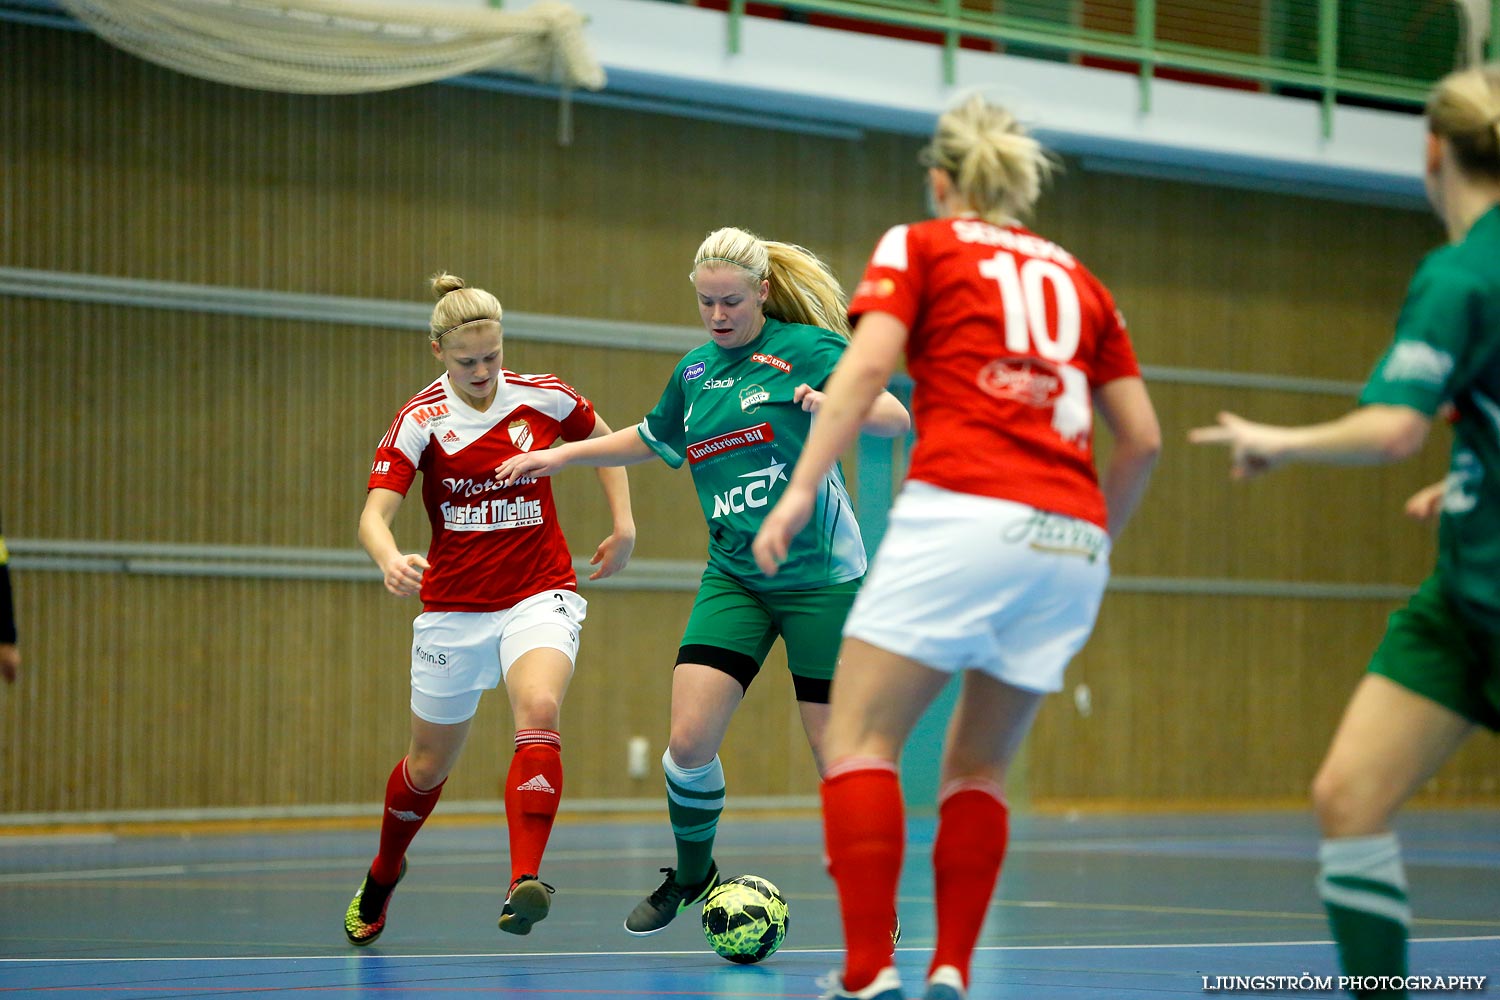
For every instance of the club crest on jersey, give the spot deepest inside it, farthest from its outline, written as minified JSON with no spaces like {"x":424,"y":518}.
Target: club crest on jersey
{"x":772,"y":360}
{"x":694,"y":371}
{"x":752,"y":396}
{"x":520,"y":434}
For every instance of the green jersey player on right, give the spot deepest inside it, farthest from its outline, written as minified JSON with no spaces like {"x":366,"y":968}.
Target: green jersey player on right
{"x":737,"y":411}
{"x":1436,"y":675}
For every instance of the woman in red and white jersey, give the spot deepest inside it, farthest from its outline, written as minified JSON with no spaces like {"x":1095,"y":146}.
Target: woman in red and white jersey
{"x":499,"y":596}
{"x":997,"y":553}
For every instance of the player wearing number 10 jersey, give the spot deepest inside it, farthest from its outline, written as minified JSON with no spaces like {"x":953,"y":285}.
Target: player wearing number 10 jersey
{"x":1010,"y":335}
{"x":997,"y":552}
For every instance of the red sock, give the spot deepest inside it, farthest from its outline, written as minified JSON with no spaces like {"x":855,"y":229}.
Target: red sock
{"x":533,"y":787}
{"x":973,"y":828}
{"x":864,"y":835}
{"x":406,"y":809}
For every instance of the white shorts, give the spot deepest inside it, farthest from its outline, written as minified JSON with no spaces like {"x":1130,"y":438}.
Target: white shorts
{"x":968,"y":582}
{"x":458,"y":655}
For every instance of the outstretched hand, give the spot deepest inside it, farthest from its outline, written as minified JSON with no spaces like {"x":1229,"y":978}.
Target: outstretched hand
{"x":774,"y":539}
{"x":1253,"y":448}
{"x":529,"y":465}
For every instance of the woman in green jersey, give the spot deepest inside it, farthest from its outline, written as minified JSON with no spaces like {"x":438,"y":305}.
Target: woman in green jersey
{"x":1436,"y":675}
{"x":737,"y":410}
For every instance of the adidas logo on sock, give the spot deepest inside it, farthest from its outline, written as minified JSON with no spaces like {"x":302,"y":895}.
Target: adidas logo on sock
{"x":405,"y":816}
{"x":537,"y":784}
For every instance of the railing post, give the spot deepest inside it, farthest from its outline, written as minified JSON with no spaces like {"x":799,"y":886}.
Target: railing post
{"x":1493,"y":48}
{"x":1145,"y":37}
{"x":736,"y":15}
{"x":1328,"y":59}
{"x":951,"y":36}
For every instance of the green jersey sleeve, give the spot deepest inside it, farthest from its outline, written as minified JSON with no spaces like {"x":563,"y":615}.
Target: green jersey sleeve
{"x":823,"y":356}
{"x":1432,"y":354}
{"x":664,"y":429}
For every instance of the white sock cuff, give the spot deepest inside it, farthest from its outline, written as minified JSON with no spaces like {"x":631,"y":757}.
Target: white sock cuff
{"x":707,"y":778}
{"x":1375,"y":856}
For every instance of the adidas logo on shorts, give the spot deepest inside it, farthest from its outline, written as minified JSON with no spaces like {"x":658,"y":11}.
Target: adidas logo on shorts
{"x":537,"y":784}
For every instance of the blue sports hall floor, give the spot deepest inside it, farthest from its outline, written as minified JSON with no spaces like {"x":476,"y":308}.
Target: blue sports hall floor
{"x":1136,"y":907}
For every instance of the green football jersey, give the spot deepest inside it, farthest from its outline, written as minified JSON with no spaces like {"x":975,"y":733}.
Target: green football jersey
{"x":729,"y":414}
{"x":1447,"y":349}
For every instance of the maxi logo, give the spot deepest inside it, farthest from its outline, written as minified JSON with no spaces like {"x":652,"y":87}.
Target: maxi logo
{"x":755,"y":493}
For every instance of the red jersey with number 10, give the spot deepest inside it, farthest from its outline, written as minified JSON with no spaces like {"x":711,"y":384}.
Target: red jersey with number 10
{"x":491,"y":547}
{"x":1008,"y":337}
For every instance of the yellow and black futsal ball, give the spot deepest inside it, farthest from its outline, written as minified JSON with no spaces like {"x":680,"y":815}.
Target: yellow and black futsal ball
{"x":745,"y":919}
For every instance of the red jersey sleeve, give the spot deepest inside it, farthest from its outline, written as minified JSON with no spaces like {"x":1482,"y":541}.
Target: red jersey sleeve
{"x":891,"y":284}
{"x":573,"y":413}
{"x":399,"y":453}
{"x":579,"y":424}
{"x":1115,"y":357}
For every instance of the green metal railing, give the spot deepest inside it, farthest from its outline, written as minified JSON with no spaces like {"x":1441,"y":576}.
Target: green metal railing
{"x":1319,"y":48}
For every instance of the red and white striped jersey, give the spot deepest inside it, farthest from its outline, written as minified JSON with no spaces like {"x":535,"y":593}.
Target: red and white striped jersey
{"x":1008,"y":337}
{"x":491,"y":547}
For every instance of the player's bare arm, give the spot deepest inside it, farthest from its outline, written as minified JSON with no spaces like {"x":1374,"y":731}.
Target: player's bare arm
{"x":614,"y":552}
{"x":856,"y":384}
{"x":623,"y":447}
{"x":1370,"y":435}
{"x":1126,"y":409}
{"x":401,"y":572}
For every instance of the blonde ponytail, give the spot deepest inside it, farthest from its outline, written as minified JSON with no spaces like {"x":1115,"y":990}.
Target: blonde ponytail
{"x":997,"y":168}
{"x":802,"y":288}
{"x":1464,"y":108}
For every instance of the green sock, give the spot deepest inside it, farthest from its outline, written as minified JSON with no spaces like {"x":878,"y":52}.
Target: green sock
{"x":1364,"y":891}
{"x":695,"y":798}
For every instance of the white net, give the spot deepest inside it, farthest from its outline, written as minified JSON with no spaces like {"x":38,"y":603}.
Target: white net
{"x":338,"y":47}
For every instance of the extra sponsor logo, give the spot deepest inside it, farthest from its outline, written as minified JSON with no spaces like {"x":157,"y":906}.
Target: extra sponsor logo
{"x":718,"y":445}
{"x":719,"y":383}
{"x":434,"y":414}
{"x":755,"y":493}
{"x":694,"y":371}
{"x":380,"y":468}
{"x":752,"y":396}
{"x":1032,"y":381}
{"x":772,"y":360}
{"x":878,"y":288}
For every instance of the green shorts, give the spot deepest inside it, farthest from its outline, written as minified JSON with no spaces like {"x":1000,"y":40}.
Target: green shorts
{"x":1429,"y":648}
{"x":733,"y":627}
